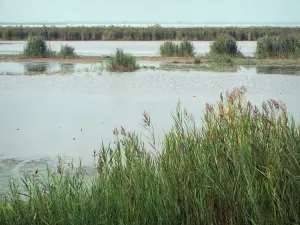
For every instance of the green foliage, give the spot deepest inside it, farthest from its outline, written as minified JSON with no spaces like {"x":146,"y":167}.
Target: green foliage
{"x":142,"y":33}
{"x":241,"y":166}
{"x":224,"y":45}
{"x":122,"y":62}
{"x":196,"y":60}
{"x":37,"y":48}
{"x":67,"y":51}
{"x":222,"y":59}
{"x":278,"y":47}
{"x":182,"y":49}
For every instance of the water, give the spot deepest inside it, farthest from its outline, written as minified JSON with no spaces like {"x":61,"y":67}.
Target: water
{"x":7,"y":68}
{"x":45,"y":116}
{"x":102,"y":48}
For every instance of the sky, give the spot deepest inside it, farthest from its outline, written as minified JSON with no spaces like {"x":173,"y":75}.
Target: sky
{"x":172,"y":11}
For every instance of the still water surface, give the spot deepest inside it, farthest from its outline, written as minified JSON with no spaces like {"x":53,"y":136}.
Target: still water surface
{"x":42,"y":116}
{"x":101,"y":48}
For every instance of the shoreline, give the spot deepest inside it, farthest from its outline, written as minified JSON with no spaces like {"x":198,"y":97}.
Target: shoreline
{"x":95,"y":59}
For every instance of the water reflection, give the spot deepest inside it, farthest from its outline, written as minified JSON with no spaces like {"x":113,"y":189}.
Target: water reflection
{"x":67,"y":67}
{"x":284,"y":70}
{"x":36,"y":67}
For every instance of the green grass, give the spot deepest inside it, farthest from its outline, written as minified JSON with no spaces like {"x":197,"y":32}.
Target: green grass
{"x":142,"y":33}
{"x":278,"y":47}
{"x":182,"y":49}
{"x":122,"y":62}
{"x":224,"y":45}
{"x":241,"y":166}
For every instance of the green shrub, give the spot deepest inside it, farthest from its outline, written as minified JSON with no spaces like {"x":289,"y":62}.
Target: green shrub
{"x":196,"y":60}
{"x":224,"y":45}
{"x":37,"y":48}
{"x":278,"y":47}
{"x":122,"y":62}
{"x":67,"y":51}
{"x":182,"y":49}
{"x":241,"y":166}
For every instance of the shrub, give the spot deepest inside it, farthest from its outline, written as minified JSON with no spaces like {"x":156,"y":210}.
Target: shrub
{"x":278,"y":47}
{"x":224,"y":45}
{"x":182,"y":49}
{"x":122,"y":62}
{"x":37,"y":48}
{"x":196,"y":60}
{"x":67,"y":51}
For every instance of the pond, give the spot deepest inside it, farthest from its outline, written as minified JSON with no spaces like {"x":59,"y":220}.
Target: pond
{"x":102,"y":48}
{"x":48,"y":115}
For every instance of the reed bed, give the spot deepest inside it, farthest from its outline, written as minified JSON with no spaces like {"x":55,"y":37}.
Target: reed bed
{"x":122,"y":62}
{"x":182,"y":49}
{"x":224,"y":45}
{"x":37,"y":48}
{"x":241,"y":166}
{"x":149,"y":33}
{"x":278,"y":47}
{"x":67,"y":51}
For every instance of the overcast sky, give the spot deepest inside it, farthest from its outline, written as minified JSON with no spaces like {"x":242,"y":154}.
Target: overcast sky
{"x":205,"y":11}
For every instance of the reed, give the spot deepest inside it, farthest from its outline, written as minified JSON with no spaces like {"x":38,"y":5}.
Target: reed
{"x":224,"y":45}
{"x":67,"y":51}
{"x":37,"y":48}
{"x":142,"y":33}
{"x":241,"y":166}
{"x":122,"y":62}
{"x":278,"y":47}
{"x":182,"y":49}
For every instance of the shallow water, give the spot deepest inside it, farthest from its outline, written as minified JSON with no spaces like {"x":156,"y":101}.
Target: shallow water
{"x":102,"y":48}
{"x":7,"y":68}
{"x":42,"y":116}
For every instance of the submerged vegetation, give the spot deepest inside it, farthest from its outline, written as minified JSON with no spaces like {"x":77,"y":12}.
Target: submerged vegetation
{"x":182,"y":49}
{"x":122,"y":62}
{"x":142,"y":33}
{"x":241,"y":166}
{"x":278,"y":47}
{"x":224,"y":45}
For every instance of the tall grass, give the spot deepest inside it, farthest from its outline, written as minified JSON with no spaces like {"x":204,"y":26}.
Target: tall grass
{"x":67,"y":51}
{"x":37,"y":48}
{"x":182,"y":49}
{"x":224,"y":45}
{"x":142,"y":33}
{"x":278,"y":47}
{"x":241,"y":166}
{"x":121,"y":61}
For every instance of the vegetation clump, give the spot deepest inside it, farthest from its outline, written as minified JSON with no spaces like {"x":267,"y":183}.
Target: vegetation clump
{"x":241,"y":166}
{"x":278,"y":47}
{"x":182,"y":49}
{"x":67,"y":51}
{"x":37,"y":48}
{"x":122,"y":62}
{"x":224,"y":45}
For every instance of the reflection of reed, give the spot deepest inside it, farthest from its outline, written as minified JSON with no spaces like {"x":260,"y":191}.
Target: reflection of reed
{"x":288,"y":70}
{"x":67,"y":67}
{"x":36,"y":67}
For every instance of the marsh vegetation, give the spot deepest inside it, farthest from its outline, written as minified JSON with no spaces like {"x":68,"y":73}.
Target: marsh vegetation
{"x":239,"y":167}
